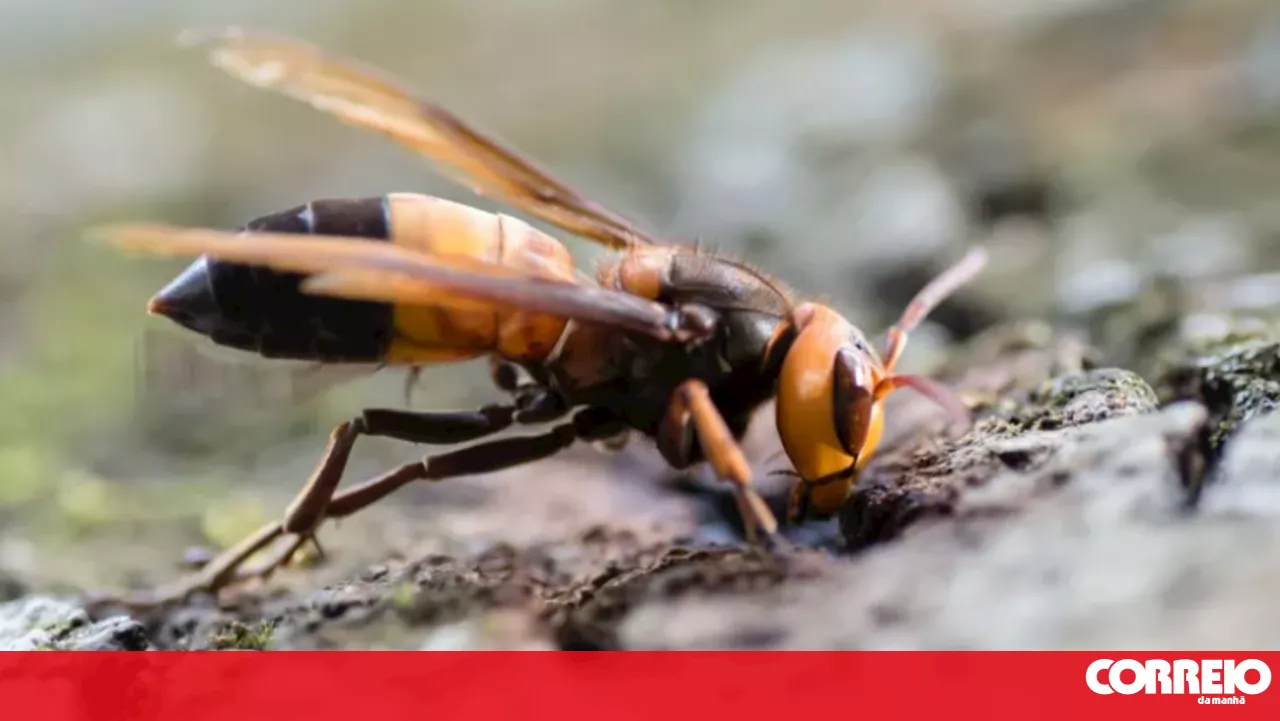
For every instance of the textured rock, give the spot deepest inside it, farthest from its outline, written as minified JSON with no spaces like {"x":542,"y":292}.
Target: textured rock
{"x":927,"y":480}
{"x":1075,"y":513}
{"x":1089,"y":547}
{"x":1247,"y":484}
{"x":1237,"y":378}
{"x":41,"y":623}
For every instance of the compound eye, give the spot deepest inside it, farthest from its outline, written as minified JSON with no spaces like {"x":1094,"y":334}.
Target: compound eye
{"x":853,"y":399}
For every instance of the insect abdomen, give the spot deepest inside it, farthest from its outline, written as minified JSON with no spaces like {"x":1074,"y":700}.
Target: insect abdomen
{"x":265,"y":311}
{"x":440,"y":227}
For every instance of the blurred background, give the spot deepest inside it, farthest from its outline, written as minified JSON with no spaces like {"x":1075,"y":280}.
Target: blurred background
{"x":853,"y":148}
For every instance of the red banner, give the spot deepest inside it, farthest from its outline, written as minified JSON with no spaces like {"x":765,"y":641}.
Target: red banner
{"x":368,"y":686}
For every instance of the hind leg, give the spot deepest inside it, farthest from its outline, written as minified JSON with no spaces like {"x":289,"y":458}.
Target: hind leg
{"x":318,"y":500}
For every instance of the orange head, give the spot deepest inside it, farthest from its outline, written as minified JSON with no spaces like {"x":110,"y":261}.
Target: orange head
{"x":828,"y":416}
{"x":831,"y":388}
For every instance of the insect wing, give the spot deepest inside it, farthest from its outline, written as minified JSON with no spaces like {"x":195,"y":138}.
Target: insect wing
{"x":364,"y":97}
{"x":357,"y":268}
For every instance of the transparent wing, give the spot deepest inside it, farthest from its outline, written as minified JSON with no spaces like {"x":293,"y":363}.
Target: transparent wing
{"x":358,"y":269}
{"x":363,"y":97}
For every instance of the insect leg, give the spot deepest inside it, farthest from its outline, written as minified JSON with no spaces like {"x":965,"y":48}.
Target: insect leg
{"x":928,"y":298}
{"x":307,"y":509}
{"x":485,"y":457}
{"x":534,"y":402}
{"x":691,"y":410}
{"x":496,"y":455}
{"x":507,"y":376}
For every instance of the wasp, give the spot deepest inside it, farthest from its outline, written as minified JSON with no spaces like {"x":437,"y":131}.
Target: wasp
{"x":672,"y":342}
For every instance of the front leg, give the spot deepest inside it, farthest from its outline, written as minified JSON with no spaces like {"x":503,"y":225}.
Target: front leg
{"x":691,"y":411}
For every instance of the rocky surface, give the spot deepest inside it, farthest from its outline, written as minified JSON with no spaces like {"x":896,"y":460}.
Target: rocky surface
{"x":39,"y":623}
{"x":1083,"y":508}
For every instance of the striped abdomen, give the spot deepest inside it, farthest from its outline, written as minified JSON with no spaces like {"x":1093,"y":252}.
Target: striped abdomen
{"x":261,"y":310}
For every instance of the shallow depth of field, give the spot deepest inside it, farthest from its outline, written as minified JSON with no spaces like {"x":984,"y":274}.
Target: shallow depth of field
{"x":1120,"y":160}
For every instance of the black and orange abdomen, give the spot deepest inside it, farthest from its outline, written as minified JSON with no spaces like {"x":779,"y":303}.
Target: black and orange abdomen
{"x":435,"y":226}
{"x":264,"y":311}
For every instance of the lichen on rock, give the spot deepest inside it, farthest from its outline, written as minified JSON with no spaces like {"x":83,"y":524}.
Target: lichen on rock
{"x":41,"y":623}
{"x":1081,"y":398}
{"x":1236,"y":377}
{"x":925,"y":480}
